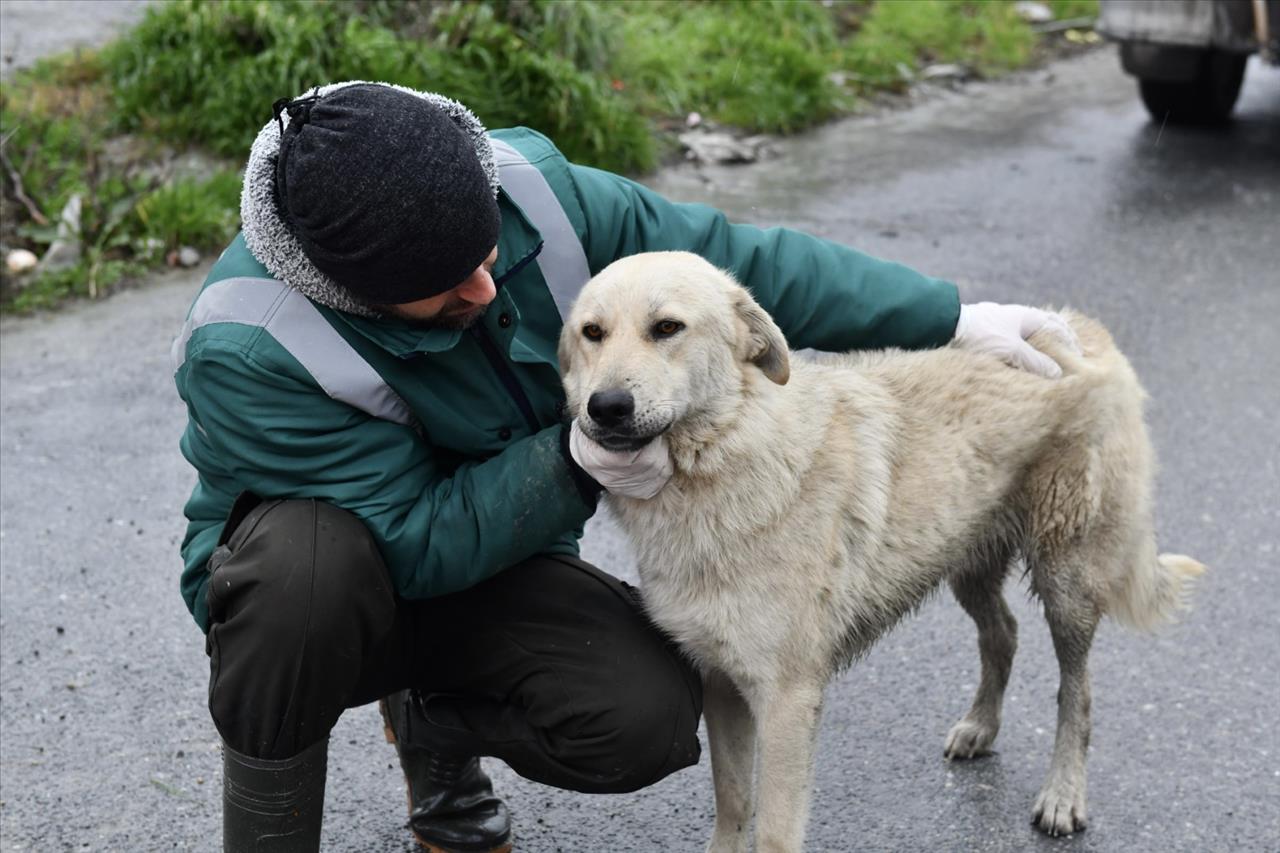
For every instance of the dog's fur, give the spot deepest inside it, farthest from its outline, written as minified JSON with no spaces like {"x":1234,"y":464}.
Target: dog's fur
{"x":805,"y":517}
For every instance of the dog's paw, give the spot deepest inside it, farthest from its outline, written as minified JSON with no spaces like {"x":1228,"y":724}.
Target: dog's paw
{"x":970,"y":738}
{"x":727,"y":842}
{"x":1060,"y":809}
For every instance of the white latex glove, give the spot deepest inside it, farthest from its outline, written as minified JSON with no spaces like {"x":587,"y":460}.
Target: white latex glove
{"x":1002,"y":330}
{"x":634,"y":473}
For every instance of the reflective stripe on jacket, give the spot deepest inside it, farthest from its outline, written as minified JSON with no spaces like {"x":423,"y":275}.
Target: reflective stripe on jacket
{"x":446,"y":442}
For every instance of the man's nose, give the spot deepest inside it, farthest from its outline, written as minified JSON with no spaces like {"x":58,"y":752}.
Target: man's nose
{"x":478,"y":288}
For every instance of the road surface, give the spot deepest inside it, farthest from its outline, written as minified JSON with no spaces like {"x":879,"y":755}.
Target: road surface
{"x":1048,"y":188}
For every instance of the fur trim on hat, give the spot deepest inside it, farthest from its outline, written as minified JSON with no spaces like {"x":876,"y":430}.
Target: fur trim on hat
{"x":270,"y":240}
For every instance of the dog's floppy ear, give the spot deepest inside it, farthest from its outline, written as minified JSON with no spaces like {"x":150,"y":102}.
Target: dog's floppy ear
{"x":766,"y":347}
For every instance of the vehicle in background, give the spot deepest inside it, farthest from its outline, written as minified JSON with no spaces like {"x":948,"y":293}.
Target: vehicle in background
{"x":1189,"y":55}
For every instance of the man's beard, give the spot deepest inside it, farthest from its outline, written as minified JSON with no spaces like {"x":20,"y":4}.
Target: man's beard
{"x":453,"y":321}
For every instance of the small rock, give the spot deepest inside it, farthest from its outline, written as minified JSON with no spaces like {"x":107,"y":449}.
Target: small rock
{"x":692,"y":120}
{"x":945,"y":71}
{"x":723,"y":148}
{"x":20,"y":260}
{"x":1082,"y":36}
{"x":188,"y":257}
{"x":1033,"y":13}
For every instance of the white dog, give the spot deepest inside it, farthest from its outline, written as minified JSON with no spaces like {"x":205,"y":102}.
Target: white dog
{"x":805,"y":517}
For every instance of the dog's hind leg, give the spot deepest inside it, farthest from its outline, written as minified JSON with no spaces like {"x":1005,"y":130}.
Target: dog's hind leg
{"x":1073,"y":618}
{"x":731,"y":733}
{"x":980,"y":595}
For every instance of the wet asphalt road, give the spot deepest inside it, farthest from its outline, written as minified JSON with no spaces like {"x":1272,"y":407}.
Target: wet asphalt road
{"x":1052,"y":188}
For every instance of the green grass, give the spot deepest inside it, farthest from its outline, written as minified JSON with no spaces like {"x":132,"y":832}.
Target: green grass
{"x":1066,"y":9}
{"x":190,"y":212}
{"x":594,"y":75}
{"x":608,"y":80}
{"x":56,"y":121}
{"x":894,"y":39}
{"x":760,"y":66}
{"x":53,"y":121}
{"x":206,"y":73}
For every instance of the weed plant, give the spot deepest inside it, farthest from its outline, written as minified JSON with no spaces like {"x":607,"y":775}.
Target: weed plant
{"x":608,"y":80}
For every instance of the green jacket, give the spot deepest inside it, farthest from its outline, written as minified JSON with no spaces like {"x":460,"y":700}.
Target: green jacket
{"x":474,"y":481}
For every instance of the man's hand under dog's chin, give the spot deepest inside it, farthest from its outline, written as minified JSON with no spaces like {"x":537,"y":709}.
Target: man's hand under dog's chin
{"x":636,"y":473}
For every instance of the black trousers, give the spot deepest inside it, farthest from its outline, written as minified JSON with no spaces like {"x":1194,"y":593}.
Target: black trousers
{"x":550,"y":665}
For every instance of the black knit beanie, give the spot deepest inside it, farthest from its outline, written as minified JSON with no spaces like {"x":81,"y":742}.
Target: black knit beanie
{"x":384,"y":192}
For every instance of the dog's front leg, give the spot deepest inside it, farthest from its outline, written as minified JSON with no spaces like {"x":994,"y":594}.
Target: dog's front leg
{"x":787,"y":717}
{"x":732,"y":735}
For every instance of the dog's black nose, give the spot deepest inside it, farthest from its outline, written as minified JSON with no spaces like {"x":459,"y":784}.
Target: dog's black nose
{"x":611,"y":408}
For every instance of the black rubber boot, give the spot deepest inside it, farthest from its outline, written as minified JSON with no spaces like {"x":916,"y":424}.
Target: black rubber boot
{"x":273,"y":806}
{"x":452,"y":808}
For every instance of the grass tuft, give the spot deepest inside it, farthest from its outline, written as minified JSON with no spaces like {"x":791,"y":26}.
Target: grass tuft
{"x":206,"y":73}
{"x":189,"y":212}
{"x":608,"y":80}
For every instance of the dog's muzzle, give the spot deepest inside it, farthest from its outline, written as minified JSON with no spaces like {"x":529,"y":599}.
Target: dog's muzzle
{"x":611,"y":409}
{"x":613,"y":424}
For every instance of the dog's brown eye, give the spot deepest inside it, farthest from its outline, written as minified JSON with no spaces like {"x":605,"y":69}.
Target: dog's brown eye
{"x":592,"y":332}
{"x":666,"y":328}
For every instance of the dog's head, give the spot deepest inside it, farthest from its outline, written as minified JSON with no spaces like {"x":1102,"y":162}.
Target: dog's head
{"x":660,"y":339}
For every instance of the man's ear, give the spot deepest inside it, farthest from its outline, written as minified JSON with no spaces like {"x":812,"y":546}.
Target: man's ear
{"x":764,"y":344}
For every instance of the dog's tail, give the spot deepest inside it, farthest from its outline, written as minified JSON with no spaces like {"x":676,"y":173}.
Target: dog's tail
{"x":1155,"y":590}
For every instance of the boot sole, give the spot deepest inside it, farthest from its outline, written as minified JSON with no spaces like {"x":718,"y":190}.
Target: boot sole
{"x":432,"y":848}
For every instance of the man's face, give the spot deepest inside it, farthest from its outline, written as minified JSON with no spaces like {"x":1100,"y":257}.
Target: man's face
{"x":458,"y":308}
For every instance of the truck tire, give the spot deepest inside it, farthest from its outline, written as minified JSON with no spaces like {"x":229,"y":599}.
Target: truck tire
{"x":1207,"y":98}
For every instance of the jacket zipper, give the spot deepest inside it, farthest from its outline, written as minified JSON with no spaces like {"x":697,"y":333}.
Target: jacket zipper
{"x":505,"y":375}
